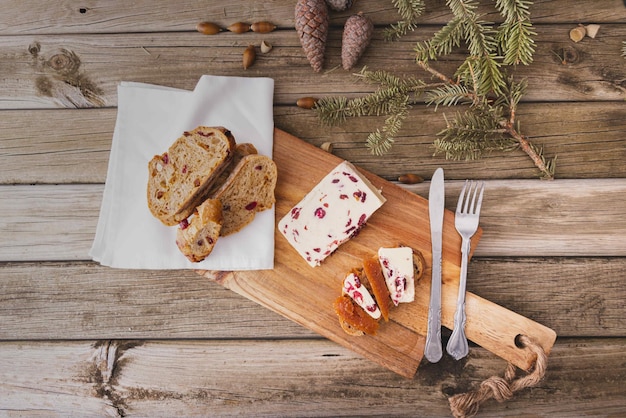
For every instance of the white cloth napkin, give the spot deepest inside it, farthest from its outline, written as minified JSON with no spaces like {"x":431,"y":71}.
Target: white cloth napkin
{"x":149,"y":119}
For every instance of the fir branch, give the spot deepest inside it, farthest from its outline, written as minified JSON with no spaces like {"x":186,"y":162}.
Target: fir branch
{"x":547,"y":167}
{"x":449,"y":95}
{"x":409,"y":11}
{"x":335,"y":110}
{"x":387,"y":80}
{"x":442,"y":42}
{"x":472,"y":133}
{"x":489,"y":121}
{"x":515,"y":33}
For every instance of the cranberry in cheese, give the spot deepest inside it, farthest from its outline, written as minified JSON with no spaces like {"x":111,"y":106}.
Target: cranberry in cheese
{"x":330,"y":214}
{"x":353,"y":287}
{"x":398,"y":269}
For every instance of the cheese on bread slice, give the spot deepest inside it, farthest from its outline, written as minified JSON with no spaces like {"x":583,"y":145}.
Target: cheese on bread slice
{"x":398,"y":269}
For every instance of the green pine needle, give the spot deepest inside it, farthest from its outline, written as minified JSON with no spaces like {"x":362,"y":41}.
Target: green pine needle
{"x":480,"y":83}
{"x":409,"y":11}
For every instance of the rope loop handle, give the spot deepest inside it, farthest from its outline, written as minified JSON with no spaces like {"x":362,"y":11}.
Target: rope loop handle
{"x":465,"y":405}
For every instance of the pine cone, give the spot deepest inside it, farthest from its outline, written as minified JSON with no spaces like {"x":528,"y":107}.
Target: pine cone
{"x":339,"y":5}
{"x":312,"y":26}
{"x":357,"y":34}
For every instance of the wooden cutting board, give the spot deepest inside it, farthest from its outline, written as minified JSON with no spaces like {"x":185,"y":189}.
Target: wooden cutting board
{"x":305,"y":294}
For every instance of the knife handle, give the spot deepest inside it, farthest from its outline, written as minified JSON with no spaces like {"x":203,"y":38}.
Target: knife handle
{"x":433,"y":350}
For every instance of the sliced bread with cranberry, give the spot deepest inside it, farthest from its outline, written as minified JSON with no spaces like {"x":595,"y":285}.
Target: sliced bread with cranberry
{"x":196,"y":238}
{"x":241,"y":150}
{"x":179,"y":180}
{"x":249,"y":189}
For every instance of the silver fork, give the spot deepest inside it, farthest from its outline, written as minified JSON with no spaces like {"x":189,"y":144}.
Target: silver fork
{"x":466,"y":223}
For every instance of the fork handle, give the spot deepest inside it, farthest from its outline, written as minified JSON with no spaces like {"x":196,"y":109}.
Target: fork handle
{"x":457,"y":344}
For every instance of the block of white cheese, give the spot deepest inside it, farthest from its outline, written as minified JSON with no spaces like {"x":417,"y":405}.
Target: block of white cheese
{"x":331,"y":213}
{"x":353,"y":287}
{"x":397,"y":266}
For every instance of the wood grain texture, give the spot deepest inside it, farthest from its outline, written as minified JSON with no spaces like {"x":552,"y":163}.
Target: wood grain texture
{"x":580,"y":134}
{"x":550,"y":251}
{"x":68,"y":70}
{"x":82,"y":300}
{"x":119,"y":16}
{"x":522,"y":217}
{"x":292,"y":377}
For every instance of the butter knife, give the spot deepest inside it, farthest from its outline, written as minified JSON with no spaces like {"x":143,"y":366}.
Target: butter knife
{"x":436,"y":204}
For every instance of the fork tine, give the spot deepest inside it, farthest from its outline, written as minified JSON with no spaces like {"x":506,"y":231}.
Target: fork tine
{"x":472,"y":208}
{"x":459,"y":205}
{"x":480,"y":198}
{"x":471,"y":199}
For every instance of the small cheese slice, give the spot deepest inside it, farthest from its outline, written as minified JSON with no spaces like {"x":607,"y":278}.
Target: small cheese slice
{"x":397,"y":265}
{"x":353,"y":287}
{"x":331,"y":213}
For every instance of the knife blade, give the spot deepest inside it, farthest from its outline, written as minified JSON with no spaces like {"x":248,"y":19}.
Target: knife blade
{"x":436,"y":204}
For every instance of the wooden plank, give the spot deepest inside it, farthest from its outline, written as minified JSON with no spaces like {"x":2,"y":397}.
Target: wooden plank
{"x":555,"y":208}
{"x":76,"y":70}
{"x":76,"y":300}
{"x":520,"y":218}
{"x":287,"y":378}
{"x":48,"y":222}
{"x":52,"y":379}
{"x":581,"y":133}
{"x":119,"y":16}
{"x":76,"y":150}
{"x":51,"y":301}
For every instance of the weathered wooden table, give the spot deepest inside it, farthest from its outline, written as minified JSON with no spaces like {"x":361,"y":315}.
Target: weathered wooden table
{"x":79,"y":339}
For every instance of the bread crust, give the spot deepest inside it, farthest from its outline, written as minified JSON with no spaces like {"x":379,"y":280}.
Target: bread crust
{"x":376,"y":283}
{"x":180,"y":179}
{"x":197,"y":239}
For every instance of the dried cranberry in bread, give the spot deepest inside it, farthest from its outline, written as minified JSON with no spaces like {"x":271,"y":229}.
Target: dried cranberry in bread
{"x":196,"y":238}
{"x":180,"y":179}
{"x":249,"y":189}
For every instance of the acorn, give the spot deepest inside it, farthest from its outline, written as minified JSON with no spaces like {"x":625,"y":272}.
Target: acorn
{"x":239,"y":27}
{"x":262,"y":27}
{"x":208,"y":28}
{"x":410,"y":178}
{"x":306,"y":102}
{"x":357,"y":34}
{"x":249,"y":56}
{"x":578,"y":33}
{"x":312,"y":22}
{"x":339,"y":5}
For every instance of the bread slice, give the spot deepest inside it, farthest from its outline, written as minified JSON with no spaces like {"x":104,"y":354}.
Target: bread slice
{"x":180,"y":179}
{"x":197,"y":238}
{"x":249,"y":189}
{"x":241,"y":150}
{"x":352,"y":318}
{"x":376,"y":282}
